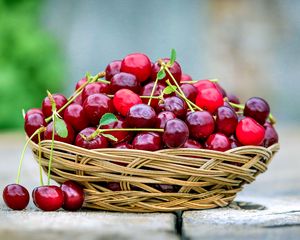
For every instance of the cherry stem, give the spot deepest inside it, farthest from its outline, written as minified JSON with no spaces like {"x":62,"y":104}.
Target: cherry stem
{"x":51,"y":150}
{"x":153,"y":90}
{"x":40,"y":160}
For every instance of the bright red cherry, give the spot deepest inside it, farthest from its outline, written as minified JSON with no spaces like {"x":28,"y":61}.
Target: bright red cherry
{"x":60,"y":101}
{"x":146,"y":91}
{"x":123,"y":145}
{"x":124,"y":80}
{"x":271,"y":136}
{"x":201,"y":124}
{"x":209,"y":99}
{"x":141,"y":116}
{"x":124,"y":99}
{"x":176,"y":133}
{"x":148,"y":141}
{"x":250,"y":132}
{"x":16,"y":196}
{"x":174,"y":104}
{"x":94,"y":88}
{"x":190,"y":91}
{"x":190,"y":143}
{"x":69,"y":139}
{"x":204,"y":84}
{"x":163,"y":117}
{"x":48,"y":198}
{"x":220,"y":89}
{"x":137,"y":64}
{"x":175,"y":71}
{"x":112,"y":69}
{"x":226,"y":120}
{"x":96,"y":143}
{"x":75,"y":115}
{"x":33,"y":121}
{"x":218,"y":142}
{"x":73,"y":196}
{"x":80,"y":82}
{"x":258,"y":109}
{"x":185,"y":77}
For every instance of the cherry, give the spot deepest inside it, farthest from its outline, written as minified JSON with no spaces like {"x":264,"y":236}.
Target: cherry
{"x":124,"y":80}
{"x":218,"y":142}
{"x":113,"y":68}
{"x":124,"y":99}
{"x":174,"y":104}
{"x":81,"y":82}
{"x":147,"y":90}
{"x":141,"y":116}
{"x":32,"y":111}
{"x":175,"y":71}
{"x":69,"y":139}
{"x":163,"y":117}
{"x":220,"y":89}
{"x":226,"y":120}
{"x":201,"y":124}
{"x":33,"y":121}
{"x":189,"y":91}
{"x":166,"y":188}
{"x":234,"y":143}
{"x":95,"y":106}
{"x":209,"y":99}
{"x":271,"y":136}
{"x":258,"y":109}
{"x":73,"y":196}
{"x":185,"y":77}
{"x":48,"y":198}
{"x":123,"y":145}
{"x":113,"y":186}
{"x":204,"y":84}
{"x":250,"y":132}
{"x":137,"y":64}
{"x":78,"y":99}
{"x":148,"y":141}
{"x":60,"y":101}
{"x":75,"y":115}
{"x":233,"y":98}
{"x":176,"y":133}
{"x":98,"y":142}
{"x":94,"y":88}
{"x":16,"y":196}
{"x":190,"y":143}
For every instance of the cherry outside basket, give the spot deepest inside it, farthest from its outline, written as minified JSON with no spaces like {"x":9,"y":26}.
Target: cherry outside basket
{"x":203,"y":179}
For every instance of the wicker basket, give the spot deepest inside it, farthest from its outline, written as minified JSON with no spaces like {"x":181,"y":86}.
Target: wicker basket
{"x":204,"y":178}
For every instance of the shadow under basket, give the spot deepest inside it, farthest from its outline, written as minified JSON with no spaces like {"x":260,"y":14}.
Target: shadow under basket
{"x":163,"y":181}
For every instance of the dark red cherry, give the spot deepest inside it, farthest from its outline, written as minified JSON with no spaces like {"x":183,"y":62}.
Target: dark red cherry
{"x":78,"y":99}
{"x":209,"y":99}
{"x":112,"y":69}
{"x":233,"y":98}
{"x":124,"y":99}
{"x":190,"y":91}
{"x":80,"y":82}
{"x":137,"y":64}
{"x":123,"y":145}
{"x":73,"y":196}
{"x":258,"y":109}
{"x":94,"y":88}
{"x":48,"y":198}
{"x":75,"y":115}
{"x":234,"y":143}
{"x":175,"y":71}
{"x":201,"y":124}
{"x":250,"y":132}
{"x":271,"y":136}
{"x":33,"y":121}
{"x":226,"y":120}
{"x":185,"y":77}
{"x":218,"y":142}
{"x":174,"y":104}
{"x":204,"y":84}
{"x":124,"y":80}
{"x":190,"y":143}
{"x":16,"y":196}
{"x":32,"y":111}
{"x":220,"y":89}
{"x":148,"y":141}
{"x":95,"y":106}
{"x":176,"y":133}
{"x":60,"y":101}
{"x":98,"y":142}
{"x":69,"y":139}
{"x":166,"y":188}
{"x":146,"y":91}
{"x":141,"y":116}
{"x":163,"y":117}
{"x":113,"y":186}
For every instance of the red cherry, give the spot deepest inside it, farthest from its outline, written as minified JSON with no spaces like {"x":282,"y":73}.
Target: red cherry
{"x":209,"y":99}
{"x":220,"y":89}
{"x":174,"y":104}
{"x":233,"y":98}
{"x":234,"y":143}
{"x":123,"y":145}
{"x":176,"y":133}
{"x":146,"y":91}
{"x":204,"y":84}
{"x":257,"y":108}
{"x":113,"y":68}
{"x":141,"y":116}
{"x":60,"y":101}
{"x":175,"y":71}
{"x":218,"y":142}
{"x":48,"y":198}
{"x":250,"y":132}
{"x":137,"y":64}
{"x":16,"y":196}
{"x":226,"y":120}
{"x":94,"y":88}
{"x":75,"y":115}
{"x":98,"y":142}
{"x":201,"y":124}
{"x":32,"y":111}
{"x":148,"y":141}
{"x":185,"y":77}
{"x":80,"y":82}
{"x":163,"y":117}
{"x":189,"y":91}
{"x":78,"y":99}
{"x":190,"y":143}
{"x":124,"y":80}
{"x":69,"y":139}
{"x":124,"y":99}
{"x":33,"y":121}
{"x":271,"y":136}
{"x":73,"y":196}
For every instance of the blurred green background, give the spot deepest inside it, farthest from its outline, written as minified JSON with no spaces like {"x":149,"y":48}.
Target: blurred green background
{"x":252,"y":46}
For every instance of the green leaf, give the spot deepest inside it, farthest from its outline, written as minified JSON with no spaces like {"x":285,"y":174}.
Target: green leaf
{"x":88,"y":75}
{"x":161,"y":74}
{"x":169,"y":89}
{"x":109,"y":136}
{"x":60,"y":127}
{"x":107,"y":118}
{"x":173,"y":56}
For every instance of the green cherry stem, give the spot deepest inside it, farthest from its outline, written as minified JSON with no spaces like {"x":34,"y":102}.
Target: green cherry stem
{"x":40,"y":160}
{"x":153,"y":90}
{"x":51,"y":150}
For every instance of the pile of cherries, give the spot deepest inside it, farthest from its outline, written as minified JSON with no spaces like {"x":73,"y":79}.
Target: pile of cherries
{"x":152,"y":106}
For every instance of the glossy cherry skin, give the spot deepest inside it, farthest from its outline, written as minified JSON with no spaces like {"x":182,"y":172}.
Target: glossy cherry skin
{"x":94,"y":88}
{"x":112,"y":69}
{"x":218,"y":142}
{"x":250,"y":132}
{"x":174,"y":104}
{"x":176,"y":132}
{"x":78,"y":99}
{"x":141,"y":116}
{"x":60,"y":101}
{"x":48,"y":198}
{"x":137,"y":64}
{"x":124,"y":99}
{"x":190,"y":143}
{"x":271,"y":136}
{"x":204,"y":84}
{"x":190,"y":91}
{"x":96,"y":143}
{"x":124,"y":80}
{"x":69,"y":139}
{"x":123,"y":145}
{"x":80,"y":82}
{"x":32,"y":111}
{"x":75,"y":115}
{"x":146,"y":91}
{"x":33,"y":121}
{"x":233,"y":98}
{"x":175,"y":71}
{"x":201,"y":124}
{"x":95,"y":106}
{"x":226,"y":120}
{"x":258,"y":109}
{"x":148,"y":141}
{"x":185,"y":77}
{"x":16,"y":196}
{"x":73,"y":196}
{"x":163,"y":117}
{"x":209,"y":99}
{"x":220,"y":89}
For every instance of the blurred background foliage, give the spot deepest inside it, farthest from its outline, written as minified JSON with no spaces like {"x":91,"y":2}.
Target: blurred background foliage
{"x":30,"y":61}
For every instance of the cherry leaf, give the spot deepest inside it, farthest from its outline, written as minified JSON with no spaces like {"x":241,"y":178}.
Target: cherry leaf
{"x":107,"y":118}
{"x":60,"y":127}
{"x":173,"y":57}
{"x":161,"y":74}
{"x":169,"y":89}
{"x":109,"y":136}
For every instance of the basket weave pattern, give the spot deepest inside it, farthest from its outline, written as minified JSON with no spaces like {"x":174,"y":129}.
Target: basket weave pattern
{"x":204,"y":178}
